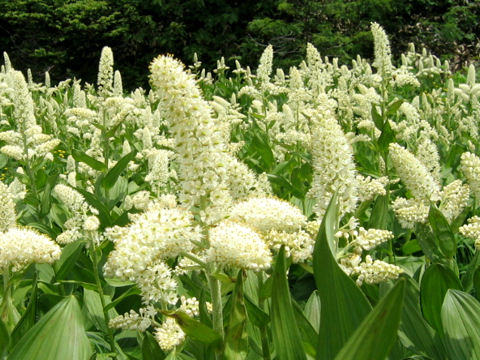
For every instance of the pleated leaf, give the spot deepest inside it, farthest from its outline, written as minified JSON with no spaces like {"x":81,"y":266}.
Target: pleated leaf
{"x":435,"y":283}
{"x":343,"y":305}
{"x":415,"y":332}
{"x":378,"y":331}
{"x":285,"y":333}
{"x":59,"y":335}
{"x":461,"y":323}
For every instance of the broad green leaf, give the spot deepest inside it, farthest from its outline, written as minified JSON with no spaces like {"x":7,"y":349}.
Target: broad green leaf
{"x":414,"y":332}
{"x":59,"y":335}
{"x":256,"y":315}
{"x":443,"y":233}
{"x":393,"y":107}
{"x":195,"y":329}
{"x":130,"y":292}
{"x":378,"y":331}
{"x":103,"y":213}
{"x":313,"y":310}
{"x":428,"y":242}
{"x":343,"y":305}
{"x":435,"y":283}
{"x":93,"y":163}
{"x":386,"y":137}
{"x":28,"y":318}
{"x":285,"y":333}
{"x":461,"y":321}
{"x":380,"y":217}
{"x":236,"y":340}
{"x":377,"y":118}
{"x":93,"y":303}
{"x":68,"y":259}
{"x":4,"y":339}
{"x":150,"y":348}
{"x":308,"y":334}
{"x":113,"y":174}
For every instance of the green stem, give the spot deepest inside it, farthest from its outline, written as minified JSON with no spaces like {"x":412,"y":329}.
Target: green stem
{"x":216,"y":293}
{"x":195,"y":259}
{"x":263,"y":328}
{"x":96,"y":274}
{"x":6,"y":290}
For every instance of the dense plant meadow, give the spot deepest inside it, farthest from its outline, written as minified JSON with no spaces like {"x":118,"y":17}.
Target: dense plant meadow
{"x":327,"y":213}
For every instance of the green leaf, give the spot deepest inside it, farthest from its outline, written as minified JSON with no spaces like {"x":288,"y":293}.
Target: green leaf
{"x":377,"y":118}
{"x":4,"y":338}
{"x":236,"y":339}
{"x":378,"y":331}
{"x":150,"y":348}
{"x":59,"y":335}
{"x":93,"y":163}
{"x":415,"y":333}
{"x":461,"y":321}
{"x":381,"y":217}
{"x":344,"y":306}
{"x":256,"y":316}
{"x":392,"y":109}
{"x":386,"y":137}
{"x":308,"y":334}
{"x":196,"y":330}
{"x":428,"y":242}
{"x":68,"y":259}
{"x":285,"y":333}
{"x":443,"y":233}
{"x":113,"y":174}
{"x":313,"y":310}
{"x":28,"y":318}
{"x":103,"y":213}
{"x":435,"y":283}
{"x":93,"y":303}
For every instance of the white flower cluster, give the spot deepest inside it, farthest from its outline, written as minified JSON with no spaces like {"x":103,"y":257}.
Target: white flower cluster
{"x":383,"y":54}
{"x":368,"y":239}
{"x":472,"y":230}
{"x":414,"y":174}
{"x":105,"y":72}
{"x":27,"y":141}
{"x":132,"y":320}
{"x":455,"y":198}
{"x":7,"y":208}
{"x":279,"y":223}
{"x":23,"y":246}
{"x":157,"y":234}
{"x":83,"y":217}
{"x":410,"y":211}
{"x":235,"y":245}
{"x":157,"y":285}
{"x":265,"y":214}
{"x":470,"y":166}
{"x":199,"y":142}
{"x":169,"y":334}
{"x":333,"y":166}
{"x":375,"y":271}
{"x":369,"y":188}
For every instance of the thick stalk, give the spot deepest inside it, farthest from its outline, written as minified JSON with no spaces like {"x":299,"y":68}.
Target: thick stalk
{"x":96,"y":274}
{"x":217,"y":311}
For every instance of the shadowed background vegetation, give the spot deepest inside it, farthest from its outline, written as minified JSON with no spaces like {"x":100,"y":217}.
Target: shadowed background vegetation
{"x":66,"y":36}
